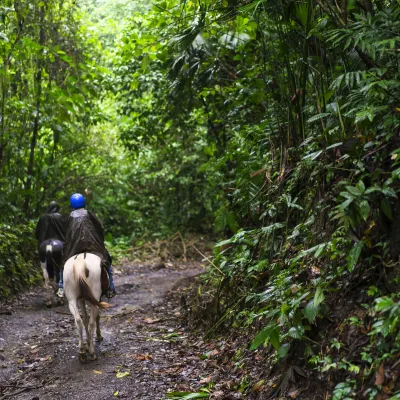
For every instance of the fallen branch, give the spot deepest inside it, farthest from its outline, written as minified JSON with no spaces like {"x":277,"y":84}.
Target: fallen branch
{"x":206,"y":258}
{"x":16,"y":386}
{"x":24,"y":389}
{"x":63,"y":313}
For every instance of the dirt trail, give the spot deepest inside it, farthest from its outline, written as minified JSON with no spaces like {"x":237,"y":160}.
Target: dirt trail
{"x":143,"y":341}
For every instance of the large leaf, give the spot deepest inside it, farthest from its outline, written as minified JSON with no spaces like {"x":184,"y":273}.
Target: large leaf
{"x":354,"y":255}
{"x":268,"y":333}
{"x":296,"y":332}
{"x":384,"y":304}
{"x":310,"y":312}
{"x":364,"y":210}
{"x":274,"y":338}
{"x":283,"y":350}
{"x":319,"y":296}
{"x":354,"y":190}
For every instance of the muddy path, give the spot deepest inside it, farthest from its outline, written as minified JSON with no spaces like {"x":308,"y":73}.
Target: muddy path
{"x":145,"y":352}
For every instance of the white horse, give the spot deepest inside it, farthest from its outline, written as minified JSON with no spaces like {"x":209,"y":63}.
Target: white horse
{"x":82,"y":283}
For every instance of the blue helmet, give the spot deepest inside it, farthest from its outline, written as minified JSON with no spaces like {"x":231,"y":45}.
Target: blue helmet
{"x":77,"y":201}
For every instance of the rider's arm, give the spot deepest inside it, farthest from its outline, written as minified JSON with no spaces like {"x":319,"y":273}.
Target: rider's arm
{"x":97,"y":224}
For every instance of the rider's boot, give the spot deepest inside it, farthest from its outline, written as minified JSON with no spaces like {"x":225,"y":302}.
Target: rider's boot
{"x":111,"y":290}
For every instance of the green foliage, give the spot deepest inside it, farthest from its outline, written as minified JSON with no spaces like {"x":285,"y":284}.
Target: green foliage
{"x":273,"y":125}
{"x":288,"y":113}
{"x":19,"y":266}
{"x":48,"y":83}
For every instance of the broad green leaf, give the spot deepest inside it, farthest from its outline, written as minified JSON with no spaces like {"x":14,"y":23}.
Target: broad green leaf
{"x":319,"y":297}
{"x":354,"y":190}
{"x":310,"y":312}
{"x":364,"y":210}
{"x":283,"y":350}
{"x":360,"y":186}
{"x":274,"y":338}
{"x":296,"y":332}
{"x":354,"y":255}
{"x":262,"y":337}
{"x":384,"y":304}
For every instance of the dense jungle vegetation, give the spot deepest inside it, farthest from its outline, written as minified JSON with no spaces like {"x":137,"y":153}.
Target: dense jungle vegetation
{"x":272,"y":125}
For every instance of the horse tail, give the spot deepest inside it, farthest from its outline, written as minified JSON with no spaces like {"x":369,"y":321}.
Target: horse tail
{"x":49,"y":261}
{"x":81,"y":271}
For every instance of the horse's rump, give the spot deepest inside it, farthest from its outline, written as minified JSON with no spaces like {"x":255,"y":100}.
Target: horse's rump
{"x":86,"y":277}
{"x":51,"y":253}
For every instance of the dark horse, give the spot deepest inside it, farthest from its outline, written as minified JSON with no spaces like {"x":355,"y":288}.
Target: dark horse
{"x":51,"y":253}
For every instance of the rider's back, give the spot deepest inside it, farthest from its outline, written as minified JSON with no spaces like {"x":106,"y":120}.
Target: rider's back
{"x":51,"y":226}
{"x":84,"y":234}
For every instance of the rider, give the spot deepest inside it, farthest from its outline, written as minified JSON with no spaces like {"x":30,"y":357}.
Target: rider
{"x":51,"y":225}
{"x":85,"y":234}
{"x":50,"y":230}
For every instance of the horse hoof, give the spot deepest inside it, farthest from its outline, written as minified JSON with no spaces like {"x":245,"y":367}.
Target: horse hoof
{"x":83,"y":358}
{"x":92,"y":357}
{"x":99,"y":338}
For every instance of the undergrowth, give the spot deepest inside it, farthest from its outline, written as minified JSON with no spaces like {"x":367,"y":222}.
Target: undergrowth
{"x":19,"y":263}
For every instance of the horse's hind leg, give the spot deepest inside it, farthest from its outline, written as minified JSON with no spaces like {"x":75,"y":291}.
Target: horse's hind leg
{"x":73,"y":307}
{"x":94,"y":313}
{"x":85,"y":318}
{"x":47,"y":286}
{"x":99,"y":336}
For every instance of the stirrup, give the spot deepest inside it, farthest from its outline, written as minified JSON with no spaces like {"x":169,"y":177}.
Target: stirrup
{"x":110,"y":293}
{"x":60,"y":292}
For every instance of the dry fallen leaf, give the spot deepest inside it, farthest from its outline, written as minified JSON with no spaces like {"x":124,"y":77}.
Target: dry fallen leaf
{"x":294,"y":394}
{"x":219,"y":394}
{"x":380,"y":375}
{"x":143,"y":357}
{"x":206,"y":380}
{"x":152,"y":321}
{"x":258,"y":386}
{"x":97,"y":372}
{"x":123,"y":374}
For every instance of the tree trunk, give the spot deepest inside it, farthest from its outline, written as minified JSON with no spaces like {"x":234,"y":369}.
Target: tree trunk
{"x":35,"y":132}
